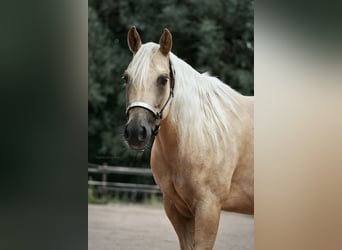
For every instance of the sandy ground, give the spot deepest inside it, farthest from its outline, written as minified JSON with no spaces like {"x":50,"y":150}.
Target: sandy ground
{"x":136,"y":227}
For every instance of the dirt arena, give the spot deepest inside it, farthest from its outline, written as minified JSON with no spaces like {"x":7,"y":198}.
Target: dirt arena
{"x":136,"y":227}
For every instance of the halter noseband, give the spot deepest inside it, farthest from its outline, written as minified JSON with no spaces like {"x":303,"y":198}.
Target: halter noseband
{"x":158,"y":115}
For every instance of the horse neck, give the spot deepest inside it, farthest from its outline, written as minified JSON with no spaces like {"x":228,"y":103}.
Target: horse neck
{"x":167,"y":138}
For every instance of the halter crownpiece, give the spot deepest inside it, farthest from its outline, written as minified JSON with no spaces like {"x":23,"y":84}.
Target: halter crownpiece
{"x":157,"y":114}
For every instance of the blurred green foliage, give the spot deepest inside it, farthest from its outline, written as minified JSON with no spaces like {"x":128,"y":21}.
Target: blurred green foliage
{"x":211,"y":35}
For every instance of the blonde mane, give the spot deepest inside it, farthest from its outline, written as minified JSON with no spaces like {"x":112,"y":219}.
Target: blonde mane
{"x":203,"y":107}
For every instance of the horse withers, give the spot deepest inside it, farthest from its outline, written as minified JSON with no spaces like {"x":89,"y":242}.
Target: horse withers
{"x":202,"y":156}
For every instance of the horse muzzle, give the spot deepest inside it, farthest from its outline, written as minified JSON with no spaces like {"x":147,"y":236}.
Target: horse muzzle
{"x":137,"y":134}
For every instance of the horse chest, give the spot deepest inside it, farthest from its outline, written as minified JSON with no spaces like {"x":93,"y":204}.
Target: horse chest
{"x":175,"y":186}
{"x":178,"y":190}
{"x":169,"y":181}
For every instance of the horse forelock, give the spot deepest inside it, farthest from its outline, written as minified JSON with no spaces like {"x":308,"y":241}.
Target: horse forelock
{"x":140,"y":65}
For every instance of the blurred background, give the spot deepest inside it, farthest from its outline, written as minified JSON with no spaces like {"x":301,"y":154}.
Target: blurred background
{"x":213,"y":36}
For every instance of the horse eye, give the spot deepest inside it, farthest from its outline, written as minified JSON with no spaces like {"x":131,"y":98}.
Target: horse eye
{"x":163,"y":80}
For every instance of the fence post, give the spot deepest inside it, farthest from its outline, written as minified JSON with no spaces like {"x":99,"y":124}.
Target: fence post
{"x":104,"y":168}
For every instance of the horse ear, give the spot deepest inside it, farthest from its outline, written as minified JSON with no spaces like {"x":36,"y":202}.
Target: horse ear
{"x":133,"y":40}
{"x":165,"y":42}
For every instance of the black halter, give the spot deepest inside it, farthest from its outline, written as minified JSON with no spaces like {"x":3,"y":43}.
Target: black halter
{"x":158,"y":115}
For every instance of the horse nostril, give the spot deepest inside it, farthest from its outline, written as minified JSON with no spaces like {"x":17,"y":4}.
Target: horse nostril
{"x":126,"y":134}
{"x":143,"y":133}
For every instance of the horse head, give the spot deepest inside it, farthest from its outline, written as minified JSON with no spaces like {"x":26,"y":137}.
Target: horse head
{"x":149,"y":88}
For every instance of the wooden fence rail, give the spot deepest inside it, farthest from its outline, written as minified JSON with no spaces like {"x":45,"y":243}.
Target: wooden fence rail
{"x":105,"y":186}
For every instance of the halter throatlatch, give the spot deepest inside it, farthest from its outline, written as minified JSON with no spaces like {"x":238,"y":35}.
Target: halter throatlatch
{"x":158,"y":115}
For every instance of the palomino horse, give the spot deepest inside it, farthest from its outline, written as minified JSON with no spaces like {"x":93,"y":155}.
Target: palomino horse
{"x":202,"y":155}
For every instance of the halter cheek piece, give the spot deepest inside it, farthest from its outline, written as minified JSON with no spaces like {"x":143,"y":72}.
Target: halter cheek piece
{"x":158,"y":115}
